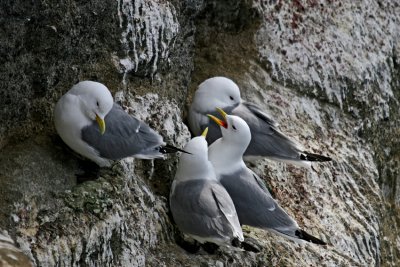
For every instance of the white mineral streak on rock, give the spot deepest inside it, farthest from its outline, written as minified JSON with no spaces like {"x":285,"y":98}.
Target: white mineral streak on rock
{"x":111,"y":240}
{"x":340,"y":201}
{"x":125,"y":224}
{"x":328,"y":49}
{"x":345,"y":52}
{"x":149,"y":29}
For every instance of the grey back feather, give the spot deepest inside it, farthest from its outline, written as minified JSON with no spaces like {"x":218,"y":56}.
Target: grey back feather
{"x":266,"y":139}
{"x":124,"y":136}
{"x":255,"y":205}
{"x":200,"y":207}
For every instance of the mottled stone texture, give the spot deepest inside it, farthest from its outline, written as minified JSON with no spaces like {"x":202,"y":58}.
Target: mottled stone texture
{"x":10,"y":255}
{"x":327,"y":71}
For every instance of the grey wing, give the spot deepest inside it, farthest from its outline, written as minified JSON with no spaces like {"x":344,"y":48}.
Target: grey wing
{"x":196,"y":120}
{"x":255,"y":205}
{"x":261,"y":184}
{"x":124,"y":136}
{"x":227,"y":207}
{"x":266,"y":139}
{"x":199,"y":208}
{"x":199,"y":121}
{"x":259,"y":113}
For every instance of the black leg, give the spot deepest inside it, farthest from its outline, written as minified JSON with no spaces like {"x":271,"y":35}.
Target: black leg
{"x":210,"y":248}
{"x":236,"y":243}
{"x":250,"y":244}
{"x":90,"y":171}
{"x":191,"y":247}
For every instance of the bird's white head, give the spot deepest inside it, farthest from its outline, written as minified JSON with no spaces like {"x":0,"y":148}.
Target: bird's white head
{"x":234,"y":130}
{"x":197,"y":147}
{"x":216,"y":92}
{"x":196,"y":164}
{"x":96,"y":100}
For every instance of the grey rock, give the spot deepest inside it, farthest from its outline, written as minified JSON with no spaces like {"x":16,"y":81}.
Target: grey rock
{"x":327,"y":72}
{"x":10,"y":256}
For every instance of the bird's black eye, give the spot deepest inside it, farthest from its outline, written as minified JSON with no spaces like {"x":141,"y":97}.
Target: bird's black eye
{"x":231,"y":97}
{"x":97,"y":103}
{"x":233,"y":127}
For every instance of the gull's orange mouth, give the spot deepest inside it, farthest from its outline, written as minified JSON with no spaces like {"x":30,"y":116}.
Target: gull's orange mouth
{"x":222,"y":123}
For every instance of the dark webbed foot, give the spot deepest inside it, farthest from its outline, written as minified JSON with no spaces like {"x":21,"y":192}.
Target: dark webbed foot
{"x":251,"y":244}
{"x":236,"y":243}
{"x":191,"y":247}
{"x":210,"y":248}
{"x":89,"y":171}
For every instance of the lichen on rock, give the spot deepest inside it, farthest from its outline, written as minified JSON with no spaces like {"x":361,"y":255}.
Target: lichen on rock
{"x":326,"y":71}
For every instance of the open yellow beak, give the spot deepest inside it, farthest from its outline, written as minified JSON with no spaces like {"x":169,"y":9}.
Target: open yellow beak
{"x":222,"y":123}
{"x":222,"y":112}
{"x":204,"y":134}
{"x":101,"y":123}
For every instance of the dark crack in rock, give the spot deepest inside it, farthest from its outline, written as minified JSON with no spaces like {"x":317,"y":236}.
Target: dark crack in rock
{"x":327,"y":71}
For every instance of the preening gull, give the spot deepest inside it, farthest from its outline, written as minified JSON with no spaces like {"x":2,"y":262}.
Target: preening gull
{"x":89,"y":122}
{"x":267,"y":140}
{"x":200,"y":205}
{"x":253,"y":202}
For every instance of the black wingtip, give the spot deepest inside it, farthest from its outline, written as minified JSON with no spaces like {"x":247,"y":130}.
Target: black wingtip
{"x":309,"y":238}
{"x":313,"y":157}
{"x":168,"y":149}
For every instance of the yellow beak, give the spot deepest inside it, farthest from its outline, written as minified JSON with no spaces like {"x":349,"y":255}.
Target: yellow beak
{"x":222,"y":123}
{"x":101,"y":123}
{"x":204,"y":134}
{"x":222,"y":112}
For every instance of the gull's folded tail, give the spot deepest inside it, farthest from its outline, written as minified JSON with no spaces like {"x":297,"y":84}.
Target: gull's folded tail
{"x":168,"y":149}
{"x":313,"y":157}
{"x":307,"y":237}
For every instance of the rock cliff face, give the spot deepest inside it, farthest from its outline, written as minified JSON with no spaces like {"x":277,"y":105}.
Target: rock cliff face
{"x":327,"y":71}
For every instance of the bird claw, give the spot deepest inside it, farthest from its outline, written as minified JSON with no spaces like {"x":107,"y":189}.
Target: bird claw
{"x":251,"y":244}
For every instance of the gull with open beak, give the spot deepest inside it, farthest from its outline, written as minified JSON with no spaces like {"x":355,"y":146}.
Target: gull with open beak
{"x":89,"y":122}
{"x":200,"y":205}
{"x":267,"y":140}
{"x":253,"y":202}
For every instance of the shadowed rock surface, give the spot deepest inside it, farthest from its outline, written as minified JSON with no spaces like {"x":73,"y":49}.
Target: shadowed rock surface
{"x":327,"y":71}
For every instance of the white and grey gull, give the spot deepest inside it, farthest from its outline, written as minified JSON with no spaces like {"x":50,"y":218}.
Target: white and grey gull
{"x":89,"y":122}
{"x":200,"y":205}
{"x":253,"y":202}
{"x":267,"y":140}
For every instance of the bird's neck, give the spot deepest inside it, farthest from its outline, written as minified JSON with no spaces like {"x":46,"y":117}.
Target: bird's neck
{"x":225,"y":158}
{"x":70,"y":110}
{"x":195,"y":169}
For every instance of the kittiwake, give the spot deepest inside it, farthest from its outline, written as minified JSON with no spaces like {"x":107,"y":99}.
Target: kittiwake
{"x":81,"y":116}
{"x":267,"y":140}
{"x":253,"y":202}
{"x":200,"y":205}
